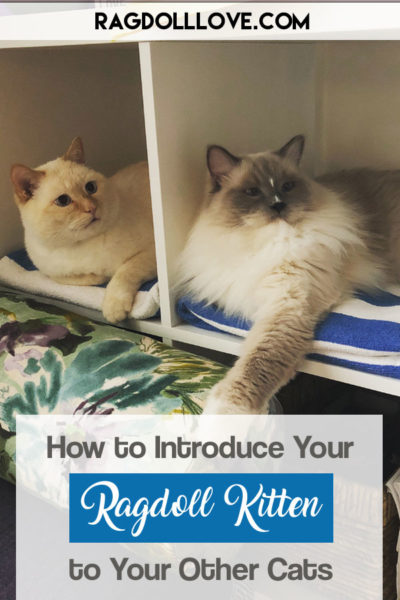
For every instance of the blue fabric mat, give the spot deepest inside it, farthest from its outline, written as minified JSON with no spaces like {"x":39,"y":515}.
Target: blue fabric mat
{"x":361,"y":334}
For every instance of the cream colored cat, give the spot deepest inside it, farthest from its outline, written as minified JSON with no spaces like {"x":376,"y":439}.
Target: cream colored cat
{"x":82,"y":228}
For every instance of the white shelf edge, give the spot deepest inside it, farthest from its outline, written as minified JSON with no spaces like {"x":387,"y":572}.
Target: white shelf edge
{"x":228,"y":344}
{"x":214,"y":340}
{"x":155,"y":181}
{"x":379,"y":383}
{"x":10,"y":44}
{"x":148,"y":326}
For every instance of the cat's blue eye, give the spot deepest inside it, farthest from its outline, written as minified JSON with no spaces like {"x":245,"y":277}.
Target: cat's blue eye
{"x":253,"y":191}
{"x":63,"y":200}
{"x":91,"y":187}
{"x":288,"y":186}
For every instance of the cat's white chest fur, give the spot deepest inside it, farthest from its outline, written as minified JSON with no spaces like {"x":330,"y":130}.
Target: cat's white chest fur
{"x":241,"y":269}
{"x":229,"y":267}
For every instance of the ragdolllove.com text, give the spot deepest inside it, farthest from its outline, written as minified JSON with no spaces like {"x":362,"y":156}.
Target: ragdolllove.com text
{"x":307,"y":447}
{"x":214,"y":21}
{"x":194,"y":569}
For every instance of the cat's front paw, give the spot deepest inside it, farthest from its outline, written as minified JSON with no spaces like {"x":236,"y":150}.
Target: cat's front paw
{"x":117,"y":303}
{"x":217,"y":404}
{"x":221,"y":401}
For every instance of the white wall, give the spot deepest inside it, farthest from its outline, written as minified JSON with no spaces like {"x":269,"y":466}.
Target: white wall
{"x":50,"y":95}
{"x":360,"y":93}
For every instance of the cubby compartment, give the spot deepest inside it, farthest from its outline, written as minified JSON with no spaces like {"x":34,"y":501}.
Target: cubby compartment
{"x":246,"y":96}
{"x":250,"y":96}
{"x":169,"y":100}
{"x":48,"y":96}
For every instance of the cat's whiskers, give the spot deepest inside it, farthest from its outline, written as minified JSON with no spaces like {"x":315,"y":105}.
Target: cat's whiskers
{"x":82,"y":223}
{"x":93,"y":220}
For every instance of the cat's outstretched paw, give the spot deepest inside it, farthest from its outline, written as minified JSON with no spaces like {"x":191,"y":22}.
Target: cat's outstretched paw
{"x":216,"y":404}
{"x":117,"y":303}
{"x":221,"y":402}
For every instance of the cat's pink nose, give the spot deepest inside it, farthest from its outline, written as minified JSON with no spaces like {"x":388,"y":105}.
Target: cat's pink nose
{"x":90,"y":208}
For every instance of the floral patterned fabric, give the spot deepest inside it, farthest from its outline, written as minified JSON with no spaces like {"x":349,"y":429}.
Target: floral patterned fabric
{"x":56,"y":362}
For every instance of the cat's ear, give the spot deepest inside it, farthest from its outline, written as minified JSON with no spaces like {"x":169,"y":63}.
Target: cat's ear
{"x":75,"y":152}
{"x":220,"y":162}
{"x":25,"y":181}
{"x":293,"y":150}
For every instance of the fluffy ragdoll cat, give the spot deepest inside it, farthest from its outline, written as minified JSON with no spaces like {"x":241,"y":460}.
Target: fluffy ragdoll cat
{"x":82,"y":228}
{"x":282,"y":249}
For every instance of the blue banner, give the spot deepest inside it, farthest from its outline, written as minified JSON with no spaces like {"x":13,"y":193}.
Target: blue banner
{"x":201,"y":507}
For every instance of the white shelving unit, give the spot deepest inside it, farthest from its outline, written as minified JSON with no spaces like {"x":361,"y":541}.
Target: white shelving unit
{"x":168,"y":100}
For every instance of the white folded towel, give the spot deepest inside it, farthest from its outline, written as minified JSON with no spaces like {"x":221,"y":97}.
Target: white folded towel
{"x":24,"y":278}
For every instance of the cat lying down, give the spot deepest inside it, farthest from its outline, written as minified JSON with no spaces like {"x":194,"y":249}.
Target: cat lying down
{"x":282,"y":249}
{"x":82,"y":228}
